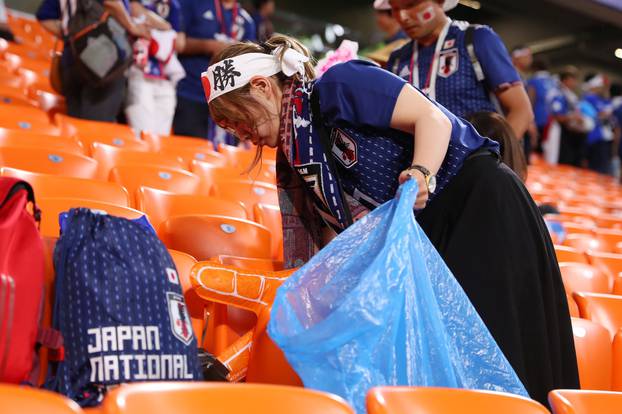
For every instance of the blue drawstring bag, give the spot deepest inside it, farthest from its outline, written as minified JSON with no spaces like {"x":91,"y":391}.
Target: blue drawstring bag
{"x":378,"y":306}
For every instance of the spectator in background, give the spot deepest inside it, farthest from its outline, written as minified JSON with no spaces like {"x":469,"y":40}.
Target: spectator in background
{"x":573,"y":125}
{"x":83,"y":99}
{"x":494,"y":126}
{"x":262,"y":13}
{"x":438,"y":62}
{"x":541,"y":88}
{"x":600,"y":138}
{"x":522,"y":58}
{"x":151,"y":96}
{"x":387,"y":23}
{"x":210,"y":26}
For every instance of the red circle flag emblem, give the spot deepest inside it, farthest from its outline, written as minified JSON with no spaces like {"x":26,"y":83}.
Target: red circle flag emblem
{"x":207,"y":86}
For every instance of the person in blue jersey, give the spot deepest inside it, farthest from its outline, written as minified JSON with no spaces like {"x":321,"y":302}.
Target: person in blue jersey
{"x":210,"y":26}
{"x":387,"y":23}
{"x":573,"y":124}
{"x":442,"y":64}
{"x":83,"y":99}
{"x":600,"y":138}
{"x":348,"y":139}
{"x":151,"y":94}
{"x":541,"y":88}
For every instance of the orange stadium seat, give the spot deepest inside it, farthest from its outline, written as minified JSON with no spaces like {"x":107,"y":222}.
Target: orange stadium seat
{"x":593,"y":346}
{"x":212,"y":173}
{"x":48,"y":185}
{"x":207,"y":236}
{"x":270,"y":216}
{"x":585,"y":402}
{"x":93,"y":131}
{"x":582,"y":277}
{"x":585,"y":242}
{"x":250,"y":263}
{"x":52,"y":207}
{"x":29,"y":119}
{"x":160,"y":205}
{"x":175,"y":180}
{"x":24,"y":138}
{"x":22,"y":399}
{"x":611,"y":263}
{"x":616,"y":380}
{"x":45,"y":161}
{"x":572,"y":306}
{"x":163,"y":142}
{"x":248,"y":192}
{"x":192,"y":398}
{"x":569,"y":254}
{"x":402,"y":400}
{"x":109,"y":156}
{"x":601,"y":308}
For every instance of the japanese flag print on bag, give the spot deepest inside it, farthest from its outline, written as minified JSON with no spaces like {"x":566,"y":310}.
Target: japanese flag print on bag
{"x":120,"y":308}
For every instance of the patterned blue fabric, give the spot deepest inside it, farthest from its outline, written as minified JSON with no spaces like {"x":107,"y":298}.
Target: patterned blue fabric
{"x":120,"y":308}
{"x":458,"y":89}
{"x":357,"y":101}
{"x":602,"y":130}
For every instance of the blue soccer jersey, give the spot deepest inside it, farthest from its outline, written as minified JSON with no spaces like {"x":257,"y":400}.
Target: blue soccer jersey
{"x":457,"y":87}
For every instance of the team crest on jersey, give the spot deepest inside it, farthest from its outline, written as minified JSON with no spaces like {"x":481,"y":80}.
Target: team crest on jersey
{"x":180,"y":321}
{"x":172,"y":276}
{"x":344,"y":148}
{"x":448,"y":63}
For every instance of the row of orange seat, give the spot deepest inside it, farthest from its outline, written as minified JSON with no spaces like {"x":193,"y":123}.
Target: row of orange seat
{"x":191,"y":398}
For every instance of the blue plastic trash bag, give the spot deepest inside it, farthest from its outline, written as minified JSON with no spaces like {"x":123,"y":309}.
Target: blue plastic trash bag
{"x":378,"y":306}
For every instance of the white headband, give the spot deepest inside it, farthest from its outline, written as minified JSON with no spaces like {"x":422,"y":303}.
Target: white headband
{"x":233,"y":73}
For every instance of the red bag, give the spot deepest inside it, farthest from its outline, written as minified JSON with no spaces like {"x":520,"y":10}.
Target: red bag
{"x":21,"y":280}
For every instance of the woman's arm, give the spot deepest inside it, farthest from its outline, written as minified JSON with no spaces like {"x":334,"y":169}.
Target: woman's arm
{"x":152,"y":20}
{"x":517,"y":108}
{"x":118,"y":11}
{"x":417,"y":115}
{"x":195,"y":46}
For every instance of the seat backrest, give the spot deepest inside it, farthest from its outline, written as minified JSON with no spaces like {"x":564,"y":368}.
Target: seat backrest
{"x":19,"y":399}
{"x":248,"y":192}
{"x":572,"y":306}
{"x":593,"y":348}
{"x":569,"y":254}
{"x":610,"y":263}
{"x":601,"y":308}
{"x":23,"y":138}
{"x":610,"y":236}
{"x":28,"y":119}
{"x":582,"y":277}
{"x":270,"y":216}
{"x":250,"y":263}
{"x":161,"y":142}
{"x":585,"y":402}
{"x":160,"y":205}
{"x":90,"y":130}
{"x":52,"y":207}
{"x":616,"y":377}
{"x":109,"y":156}
{"x":212,"y":173}
{"x":195,"y":398}
{"x":134,"y":176}
{"x":48,"y":162}
{"x":585,"y":242}
{"x":207,"y":236}
{"x":422,"y":400}
{"x":48,"y":185}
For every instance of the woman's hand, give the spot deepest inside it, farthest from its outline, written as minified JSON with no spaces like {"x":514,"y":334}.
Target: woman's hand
{"x":422,"y":194}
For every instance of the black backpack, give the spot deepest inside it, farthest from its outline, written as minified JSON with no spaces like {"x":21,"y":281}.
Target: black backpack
{"x":100,"y":46}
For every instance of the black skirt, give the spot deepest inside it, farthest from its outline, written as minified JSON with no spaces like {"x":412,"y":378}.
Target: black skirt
{"x":491,"y":235}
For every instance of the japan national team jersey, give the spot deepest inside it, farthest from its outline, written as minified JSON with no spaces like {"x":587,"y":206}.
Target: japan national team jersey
{"x":457,"y":87}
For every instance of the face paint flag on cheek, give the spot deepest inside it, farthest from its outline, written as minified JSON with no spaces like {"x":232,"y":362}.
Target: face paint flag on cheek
{"x":427,"y":15}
